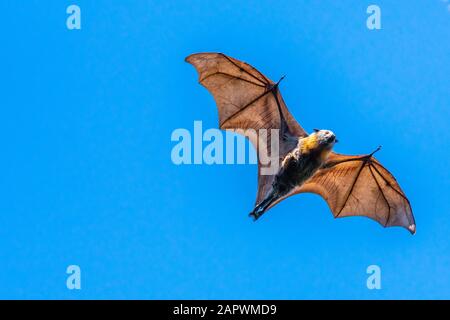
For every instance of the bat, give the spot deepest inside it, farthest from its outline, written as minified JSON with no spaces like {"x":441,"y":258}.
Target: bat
{"x":356,"y":185}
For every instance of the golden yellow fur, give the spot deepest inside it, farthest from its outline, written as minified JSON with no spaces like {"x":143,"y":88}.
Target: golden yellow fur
{"x":311,"y":143}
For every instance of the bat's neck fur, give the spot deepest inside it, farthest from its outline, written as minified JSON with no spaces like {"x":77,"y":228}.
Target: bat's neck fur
{"x":311,"y":147}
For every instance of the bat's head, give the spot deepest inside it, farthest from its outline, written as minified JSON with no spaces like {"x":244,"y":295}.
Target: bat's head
{"x":325,"y":138}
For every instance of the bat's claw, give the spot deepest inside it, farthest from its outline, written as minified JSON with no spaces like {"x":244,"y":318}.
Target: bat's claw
{"x":375,"y":151}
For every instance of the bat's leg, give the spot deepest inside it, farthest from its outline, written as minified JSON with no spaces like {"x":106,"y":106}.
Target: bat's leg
{"x":259,"y":210}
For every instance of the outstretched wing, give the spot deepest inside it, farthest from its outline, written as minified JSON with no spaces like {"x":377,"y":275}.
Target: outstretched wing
{"x":361,"y":186}
{"x":248,"y":102}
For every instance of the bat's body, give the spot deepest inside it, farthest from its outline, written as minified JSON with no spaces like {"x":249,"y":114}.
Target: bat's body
{"x":351,"y":185}
{"x":300,"y":164}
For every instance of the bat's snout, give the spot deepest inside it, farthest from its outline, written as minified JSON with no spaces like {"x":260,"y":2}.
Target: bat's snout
{"x":326,"y":137}
{"x":329,"y":136}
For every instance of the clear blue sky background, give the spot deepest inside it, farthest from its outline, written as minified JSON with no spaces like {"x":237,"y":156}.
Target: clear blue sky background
{"x":87,"y":178}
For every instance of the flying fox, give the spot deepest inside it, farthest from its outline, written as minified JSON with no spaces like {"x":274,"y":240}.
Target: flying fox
{"x":351,"y":185}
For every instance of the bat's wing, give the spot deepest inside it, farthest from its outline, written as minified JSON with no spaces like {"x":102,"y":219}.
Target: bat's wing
{"x":361,"y":186}
{"x":248,"y":102}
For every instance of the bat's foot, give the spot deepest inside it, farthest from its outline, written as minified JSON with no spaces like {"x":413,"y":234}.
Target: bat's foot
{"x":254,"y":215}
{"x":259,"y":210}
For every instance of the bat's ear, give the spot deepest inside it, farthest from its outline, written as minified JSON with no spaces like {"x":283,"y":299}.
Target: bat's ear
{"x":316,"y":130}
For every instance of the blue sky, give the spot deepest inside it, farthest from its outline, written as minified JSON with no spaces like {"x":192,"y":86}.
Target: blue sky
{"x":86,"y":119}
